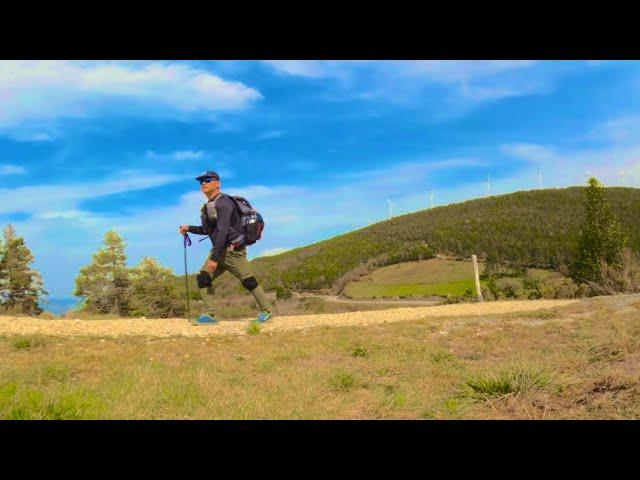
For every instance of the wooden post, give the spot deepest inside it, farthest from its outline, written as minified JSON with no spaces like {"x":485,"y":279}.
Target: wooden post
{"x":477,"y":277}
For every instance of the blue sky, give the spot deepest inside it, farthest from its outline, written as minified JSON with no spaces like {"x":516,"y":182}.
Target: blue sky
{"x":317,"y":146}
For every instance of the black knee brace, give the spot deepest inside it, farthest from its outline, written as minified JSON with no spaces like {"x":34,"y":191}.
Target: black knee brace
{"x":250,"y":283}
{"x":203,"y":279}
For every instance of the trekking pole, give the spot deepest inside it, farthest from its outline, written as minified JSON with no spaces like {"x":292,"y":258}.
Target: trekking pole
{"x":186,"y":242}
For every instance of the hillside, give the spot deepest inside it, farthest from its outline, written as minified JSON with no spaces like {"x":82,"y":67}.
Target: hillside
{"x":536,"y":228}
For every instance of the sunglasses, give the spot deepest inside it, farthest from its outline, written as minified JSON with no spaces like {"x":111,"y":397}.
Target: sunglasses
{"x":207,"y":180}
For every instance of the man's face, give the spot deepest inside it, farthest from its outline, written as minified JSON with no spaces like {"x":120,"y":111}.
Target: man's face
{"x":209,"y":187}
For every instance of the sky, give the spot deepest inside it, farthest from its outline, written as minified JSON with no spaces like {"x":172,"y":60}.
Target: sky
{"x":318,"y":147}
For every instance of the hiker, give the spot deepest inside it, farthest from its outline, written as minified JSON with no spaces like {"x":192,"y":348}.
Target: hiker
{"x":221,"y":222}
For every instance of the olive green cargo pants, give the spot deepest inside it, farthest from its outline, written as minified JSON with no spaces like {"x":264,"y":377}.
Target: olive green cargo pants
{"x":236,"y":263}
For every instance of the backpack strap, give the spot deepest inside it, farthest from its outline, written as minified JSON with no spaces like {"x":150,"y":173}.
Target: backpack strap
{"x":211,"y":209}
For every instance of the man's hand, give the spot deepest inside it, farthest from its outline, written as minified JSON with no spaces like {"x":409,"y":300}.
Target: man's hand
{"x":211,"y":266}
{"x":184,"y":229}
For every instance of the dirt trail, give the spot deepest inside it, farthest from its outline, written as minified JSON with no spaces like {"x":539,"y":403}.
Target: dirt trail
{"x":179,"y":327}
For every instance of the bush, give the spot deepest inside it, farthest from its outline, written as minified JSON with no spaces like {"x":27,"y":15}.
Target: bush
{"x":342,"y":381}
{"x":26,"y":343}
{"x":22,"y":344}
{"x":283,"y":293}
{"x":359,"y":351}
{"x":624,"y":278}
{"x":452,"y":299}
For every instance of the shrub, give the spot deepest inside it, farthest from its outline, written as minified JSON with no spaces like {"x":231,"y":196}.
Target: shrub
{"x":342,"y":381}
{"x":508,"y":381}
{"x":624,"y":278}
{"x":283,"y":292}
{"x":22,"y":344}
{"x":359,"y":351}
{"x":26,"y":343}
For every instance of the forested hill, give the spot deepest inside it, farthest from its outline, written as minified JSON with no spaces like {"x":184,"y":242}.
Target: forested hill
{"x":534,"y":228}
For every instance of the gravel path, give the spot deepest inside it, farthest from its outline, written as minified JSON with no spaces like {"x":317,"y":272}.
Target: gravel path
{"x":179,"y":327}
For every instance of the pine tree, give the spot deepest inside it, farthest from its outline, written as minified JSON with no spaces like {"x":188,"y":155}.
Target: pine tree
{"x":154,"y":291}
{"x":601,"y":239}
{"x":20,"y":286}
{"x":105,"y":283}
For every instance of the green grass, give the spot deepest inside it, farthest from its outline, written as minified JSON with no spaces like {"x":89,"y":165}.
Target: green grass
{"x":254,"y":328}
{"x":427,"y":278}
{"x":433,"y":277}
{"x":33,"y":404}
{"x":365,"y":290}
{"x":342,"y":381}
{"x":27,"y":343}
{"x":359,"y":351}
{"x":504,"y":382}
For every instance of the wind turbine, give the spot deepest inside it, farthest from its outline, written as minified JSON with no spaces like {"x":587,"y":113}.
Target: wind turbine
{"x":391,"y":205}
{"x":488,"y":185}
{"x":539,"y":177}
{"x":430,"y":198}
{"x":622,"y":175}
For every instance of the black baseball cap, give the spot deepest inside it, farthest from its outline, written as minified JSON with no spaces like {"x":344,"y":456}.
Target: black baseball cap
{"x":209,"y":175}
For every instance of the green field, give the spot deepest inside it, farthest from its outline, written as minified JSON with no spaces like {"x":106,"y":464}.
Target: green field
{"x":364,"y":290}
{"x":434,"y":277}
{"x":416,"y":279}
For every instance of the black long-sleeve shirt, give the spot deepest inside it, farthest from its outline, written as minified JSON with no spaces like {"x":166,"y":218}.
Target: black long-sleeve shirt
{"x":223,"y":226}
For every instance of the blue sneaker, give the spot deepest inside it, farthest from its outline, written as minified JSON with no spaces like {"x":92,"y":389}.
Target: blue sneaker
{"x":205,"y":320}
{"x":264,"y":316}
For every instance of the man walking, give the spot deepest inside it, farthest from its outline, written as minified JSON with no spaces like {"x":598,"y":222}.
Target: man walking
{"x":221,"y":222}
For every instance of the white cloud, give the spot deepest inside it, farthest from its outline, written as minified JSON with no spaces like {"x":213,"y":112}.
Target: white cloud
{"x":28,"y":135}
{"x":270,"y":135}
{"x":399,"y":176}
{"x":453,"y":71}
{"x":619,"y":130}
{"x":473,"y":80}
{"x":12,"y":170}
{"x":176,"y":155}
{"x":45,"y":90}
{"x":564,"y":168}
{"x":299,"y":68}
{"x":66,"y":214}
{"x":528,"y":151}
{"x":56,"y":198}
{"x":188,"y":155}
